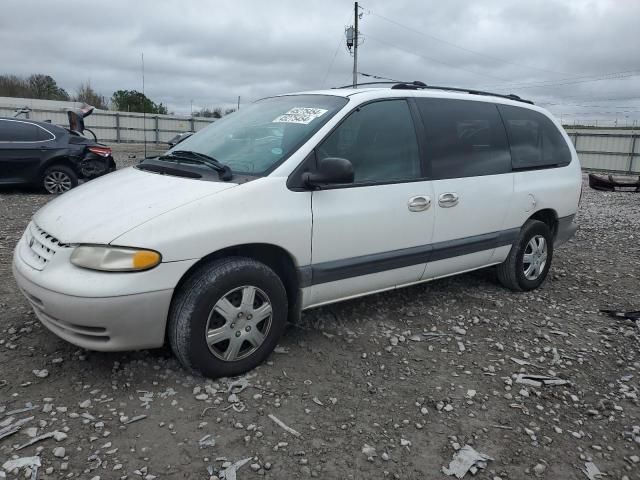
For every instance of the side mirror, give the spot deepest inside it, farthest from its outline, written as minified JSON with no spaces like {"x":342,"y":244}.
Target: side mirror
{"x":331,"y":170}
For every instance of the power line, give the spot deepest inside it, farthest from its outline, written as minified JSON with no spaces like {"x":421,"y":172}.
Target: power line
{"x":612,"y":99}
{"x":335,"y":54}
{"x":543,"y":83}
{"x":377,"y":77}
{"x":569,"y":80}
{"x":580,"y":105}
{"x":460,"y":47}
{"x":450,"y":65}
{"x":600,"y":113}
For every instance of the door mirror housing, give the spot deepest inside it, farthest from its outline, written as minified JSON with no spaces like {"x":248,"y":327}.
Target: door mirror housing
{"x":331,"y":170}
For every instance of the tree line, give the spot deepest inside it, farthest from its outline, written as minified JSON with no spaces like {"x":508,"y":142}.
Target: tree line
{"x":44,"y":87}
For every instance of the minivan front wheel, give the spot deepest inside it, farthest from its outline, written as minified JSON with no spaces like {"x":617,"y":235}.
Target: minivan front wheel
{"x":227,"y":317}
{"x":59,"y":179}
{"x":530,"y":257}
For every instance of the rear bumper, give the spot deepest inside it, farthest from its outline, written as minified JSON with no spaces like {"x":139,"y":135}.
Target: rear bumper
{"x":567,"y":228}
{"x":94,"y":166}
{"x":126,"y":322}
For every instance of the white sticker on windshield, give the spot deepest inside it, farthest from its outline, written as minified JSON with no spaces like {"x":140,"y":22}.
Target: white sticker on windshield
{"x":304,"y":115}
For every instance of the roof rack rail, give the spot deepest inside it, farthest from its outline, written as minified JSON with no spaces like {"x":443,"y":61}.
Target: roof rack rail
{"x":415,"y":85}
{"x":418,"y":85}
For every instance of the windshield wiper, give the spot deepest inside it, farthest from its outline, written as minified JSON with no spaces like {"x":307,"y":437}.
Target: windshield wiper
{"x":223,"y":170}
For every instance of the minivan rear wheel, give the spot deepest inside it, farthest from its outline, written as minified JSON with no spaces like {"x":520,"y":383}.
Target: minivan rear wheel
{"x":530,"y":257}
{"x":227,"y":317}
{"x":59,"y":179}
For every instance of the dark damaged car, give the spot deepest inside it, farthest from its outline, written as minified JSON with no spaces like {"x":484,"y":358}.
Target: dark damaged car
{"x":54,"y":158}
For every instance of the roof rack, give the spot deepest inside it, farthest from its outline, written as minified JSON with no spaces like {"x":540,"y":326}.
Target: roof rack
{"x":415,"y":85}
{"x":418,"y":85}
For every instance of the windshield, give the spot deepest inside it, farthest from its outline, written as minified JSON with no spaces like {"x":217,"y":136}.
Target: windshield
{"x":257,"y":137}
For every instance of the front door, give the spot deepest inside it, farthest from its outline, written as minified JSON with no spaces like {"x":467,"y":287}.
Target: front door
{"x":373,"y":234}
{"x":470,"y":164}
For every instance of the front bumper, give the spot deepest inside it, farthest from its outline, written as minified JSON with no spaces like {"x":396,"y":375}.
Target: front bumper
{"x":127,"y":322}
{"x":98,"y":310}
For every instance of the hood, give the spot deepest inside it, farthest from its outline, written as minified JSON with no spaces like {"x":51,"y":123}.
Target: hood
{"x":105,"y":208}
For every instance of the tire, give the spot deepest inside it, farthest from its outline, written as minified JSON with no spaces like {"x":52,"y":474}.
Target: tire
{"x":59,"y":179}
{"x":199,"y":310}
{"x":512,"y":273}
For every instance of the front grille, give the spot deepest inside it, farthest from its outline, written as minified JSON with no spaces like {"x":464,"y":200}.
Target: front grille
{"x":39,"y":247}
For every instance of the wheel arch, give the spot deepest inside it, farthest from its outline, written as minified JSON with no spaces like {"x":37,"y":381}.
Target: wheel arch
{"x":277,"y":258}
{"x":59,"y":160}
{"x":549,"y":217}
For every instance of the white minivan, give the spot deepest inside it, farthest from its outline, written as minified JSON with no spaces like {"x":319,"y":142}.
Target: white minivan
{"x":298,"y":201}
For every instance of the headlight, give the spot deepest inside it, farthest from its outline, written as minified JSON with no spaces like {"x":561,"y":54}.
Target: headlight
{"x":114,"y":259}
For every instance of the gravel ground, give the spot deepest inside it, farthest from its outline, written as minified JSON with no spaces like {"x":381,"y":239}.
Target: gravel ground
{"x":387,"y":386}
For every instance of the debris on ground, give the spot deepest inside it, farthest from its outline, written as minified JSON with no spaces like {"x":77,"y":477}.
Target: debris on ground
{"x":229,"y":473}
{"x":466,"y":460}
{"x":58,"y":436}
{"x":284,"y":427}
{"x":30,"y":464}
{"x":10,"y":429}
{"x":609,"y":184}
{"x":369,"y":452}
{"x":628,"y":315}
{"x":592,"y":472}
{"x":207,"y":441}
{"x":137,"y":418}
{"x":538,"y":380}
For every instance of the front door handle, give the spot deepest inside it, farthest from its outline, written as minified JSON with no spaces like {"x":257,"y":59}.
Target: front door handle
{"x":447,"y":200}
{"x":419,"y":203}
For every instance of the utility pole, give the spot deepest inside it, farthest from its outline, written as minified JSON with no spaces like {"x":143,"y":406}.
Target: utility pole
{"x":355,"y":45}
{"x":144,"y":110}
{"x":238,"y":102}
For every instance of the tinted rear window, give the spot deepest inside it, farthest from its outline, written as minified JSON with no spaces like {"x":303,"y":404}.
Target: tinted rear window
{"x":464,"y":138}
{"x":535,"y":141}
{"x":17,"y":131}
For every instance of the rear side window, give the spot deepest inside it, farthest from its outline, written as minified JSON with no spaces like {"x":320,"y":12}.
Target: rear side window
{"x":535,"y":141}
{"x":379,"y":139}
{"x":464,"y":138}
{"x":15,"y":131}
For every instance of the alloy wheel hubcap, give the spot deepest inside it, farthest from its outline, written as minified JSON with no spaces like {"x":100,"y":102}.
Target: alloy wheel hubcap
{"x":57,"y":182}
{"x":535,"y":257}
{"x":239,"y":323}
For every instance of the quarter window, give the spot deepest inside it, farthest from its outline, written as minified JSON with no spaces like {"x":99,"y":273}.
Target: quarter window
{"x":379,"y":139}
{"x":535,"y":141}
{"x":464,"y":138}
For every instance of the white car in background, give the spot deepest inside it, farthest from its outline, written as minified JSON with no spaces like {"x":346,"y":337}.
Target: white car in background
{"x":294,"y":202}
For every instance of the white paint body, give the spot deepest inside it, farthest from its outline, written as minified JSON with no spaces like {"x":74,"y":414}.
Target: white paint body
{"x":186,"y":220}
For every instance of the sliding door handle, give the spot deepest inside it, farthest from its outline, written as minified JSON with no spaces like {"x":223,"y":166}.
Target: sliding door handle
{"x":449,"y":199}
{"x":419,"y":203}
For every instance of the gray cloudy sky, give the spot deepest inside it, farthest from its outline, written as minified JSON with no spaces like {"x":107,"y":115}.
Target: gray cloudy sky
{"x":212,"y":51}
